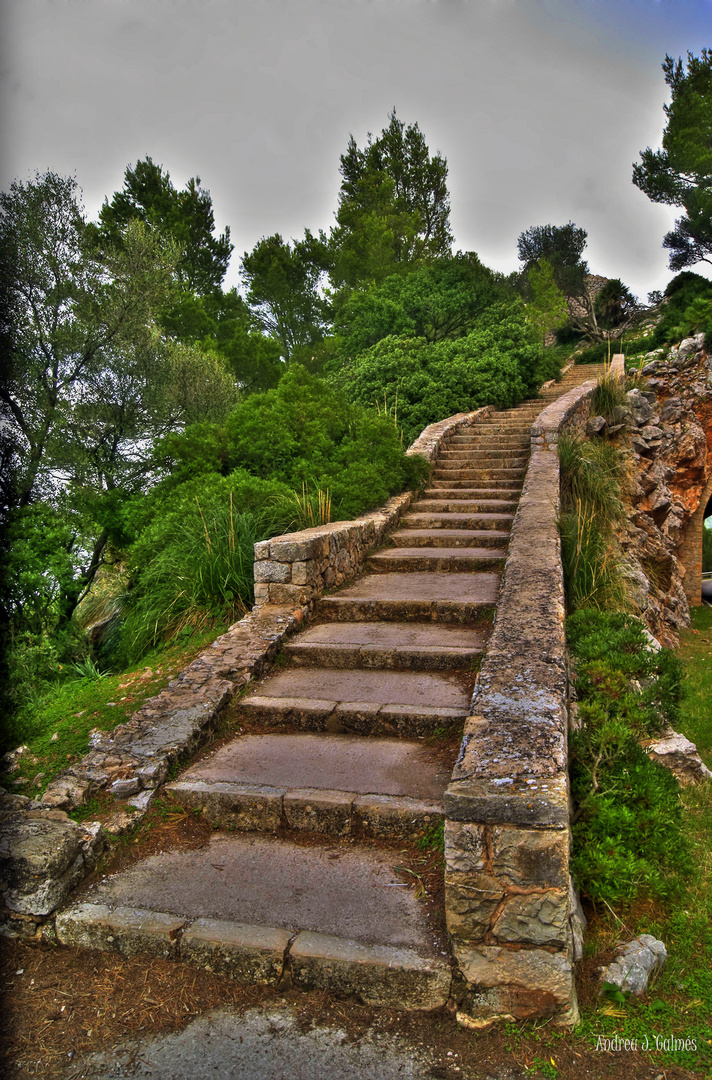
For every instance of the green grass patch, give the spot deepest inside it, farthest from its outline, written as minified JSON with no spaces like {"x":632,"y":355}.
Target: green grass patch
{"x":56,"y":727}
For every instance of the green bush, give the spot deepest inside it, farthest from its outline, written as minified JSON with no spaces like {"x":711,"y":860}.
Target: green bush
{"x":688,"y":309}
{"x":419,"y":382}
{"x":707,"y":548}
{"x":627,"y":835}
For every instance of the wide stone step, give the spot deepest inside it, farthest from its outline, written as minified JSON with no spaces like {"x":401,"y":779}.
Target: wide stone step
{"x":264,"y":910}
{"x":467,"y":493}
{"x":453,"y":520}
{"x":433,"y":505}
{"x":361,"y":701}
{"x":390,"y":645}
{"x":503,"y":487}
{"x":443,"y":560}
{"x":494,"y":442}
{"x":450,"y":538}
{"x":477,"y":476}
{"x":483,"y":456}
{"x":413,"y":597}
{"x":499,"y":427}
{"x":339,"y":785}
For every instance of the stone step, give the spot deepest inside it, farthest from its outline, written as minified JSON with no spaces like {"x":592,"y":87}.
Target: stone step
{"x":433,"y":505}
{"x":505,"y":487}
{"x":466,"y":493}
{"x":482,"y":441}
{"x":483,"y":456}
{"x":506,"y":428}
{"x":421,"y":520}
{"x":479,"y":475}
{"x":413,"y":597}
{"x":331,"y":916}
{"x":338,"y":785}
{"x":443,"y":560}
{"x":390,"y":645}
{"x":496,"y":538}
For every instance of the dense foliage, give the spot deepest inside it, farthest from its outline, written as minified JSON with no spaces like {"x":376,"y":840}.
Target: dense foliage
{"x":418,"y":381}
{"x":627,"y":819}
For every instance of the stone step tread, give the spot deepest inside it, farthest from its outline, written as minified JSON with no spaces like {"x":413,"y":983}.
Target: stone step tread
{"x":463,"y":506}
{"x":421,"y":586}
{"x":505,"y":488}
{"x":364,"y":685}
{"x":473,"y":520}
{"x":438,"y":558}
{"x":449,"y":537}
{"x":362,"y":718}
{"x":466,"y":493}
{"x":478,"y":475}
{"x":484,"y":453}
{"x":339,"y":917}
{"x":392,"y":635}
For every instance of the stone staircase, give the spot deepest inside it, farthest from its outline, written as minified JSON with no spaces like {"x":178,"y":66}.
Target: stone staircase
{"x":339,"y":762}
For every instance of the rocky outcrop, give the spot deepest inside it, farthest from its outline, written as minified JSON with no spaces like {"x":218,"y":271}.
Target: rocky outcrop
{"x":667,"y":425}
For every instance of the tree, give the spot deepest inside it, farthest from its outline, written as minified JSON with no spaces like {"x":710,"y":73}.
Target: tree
{"x":282,"y":282}
{"x":615,"y":305}
{"x":92,"y":379}
{"x":562,"y":246}
{"x":394,"y":206}
{"x":547,"y":309}
{"x":185,"y":217}
{"x":680,"y":173}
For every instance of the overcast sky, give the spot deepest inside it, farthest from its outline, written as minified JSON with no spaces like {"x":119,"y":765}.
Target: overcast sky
{"x":539,"y":106}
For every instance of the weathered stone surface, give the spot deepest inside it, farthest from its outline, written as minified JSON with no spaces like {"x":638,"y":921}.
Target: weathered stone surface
{"x":42,"y":858}
{"x":636,"y":963}
{"x":234,"y":806}
{"x":319,"y":810}
{"x":534,"y":919}
{"x":381,"y":975}
{"x":392,"y":816}
{"x":471,"y":900}
{"x":508,"y":801}
{"x":253,"y":954}
{"x":530,"y":858}
{"x":530,"y":981}
{"x":125,"y":930}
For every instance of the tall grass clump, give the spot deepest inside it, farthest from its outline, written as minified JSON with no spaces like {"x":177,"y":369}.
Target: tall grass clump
{"x":195,"y":574}
{"x":592,"y":474}
{"x":609,"y":394}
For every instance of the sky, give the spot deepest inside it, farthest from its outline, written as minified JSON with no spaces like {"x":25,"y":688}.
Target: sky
{"x":539,"y":106}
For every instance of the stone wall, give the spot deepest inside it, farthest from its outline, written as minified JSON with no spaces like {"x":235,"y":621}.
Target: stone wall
{"x":508,"y":896}
{"x":297,"y":568}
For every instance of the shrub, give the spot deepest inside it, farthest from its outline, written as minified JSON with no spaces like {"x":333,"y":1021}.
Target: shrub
{"x":420,"y":382}
{"x":627,"y":837}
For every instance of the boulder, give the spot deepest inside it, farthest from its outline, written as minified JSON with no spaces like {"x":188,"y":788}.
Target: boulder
{"x":635,"y":963}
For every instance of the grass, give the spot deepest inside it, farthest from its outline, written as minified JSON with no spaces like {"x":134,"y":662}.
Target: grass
{"x":57,"y":726}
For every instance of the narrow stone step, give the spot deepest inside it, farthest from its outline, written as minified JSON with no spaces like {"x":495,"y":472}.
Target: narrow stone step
{"x":394,"y":645}
{"x":451,"y":483}
{"x":496,"y":442}
{"x":339,"y":785}
{"x":442,"y":560}
{"x":422,"y":520}
{"x":450,"y":538}
{"x":413,"y":597}
{"x":263,"y":910}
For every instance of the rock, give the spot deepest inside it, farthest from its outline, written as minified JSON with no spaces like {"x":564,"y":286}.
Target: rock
{"x":639,"y":407}
{"x":690,"y":346}
{"x":578,"y":921}
{"x":637,"y":961}
{"x":679,"y":755}
{"x":595,"y":425}
{"x":120,"y":789}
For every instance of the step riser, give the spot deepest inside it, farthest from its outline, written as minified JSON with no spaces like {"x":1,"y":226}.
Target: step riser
{"x":503,"y":487}
{"x":328,"y":813}
{"x":496,"y":538}
{"x":368,"y":720}
{"x":335,"y":609}
{"x":485,"y":457}
{"x":469,"y":494}
{"x":375,"y":659}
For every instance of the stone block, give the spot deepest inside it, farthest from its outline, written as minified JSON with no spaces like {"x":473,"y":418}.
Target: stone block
{"x":465,"y":847}
{"x":522,"y":983}
{"x":531,"y":858}
{"x":303,"y":573}
{"x":289,"y":551}
{"x":262,"y":550}
{"x":271,"y":571}
{"x":319,"y":810}
{"x":251,"y":954}
{"x":41,"y":860}
{"x":392,"y":816}
{"x":235,"y":806}
{"x":509,"y":801}
{"x":261,"y":594}
{"x":397,"y":978}
{"x":534,"y":919}
{"x":290,"y":594}
{"x":124,"y":930}
{"x":121,"y":789}
{"x":470,"y":902}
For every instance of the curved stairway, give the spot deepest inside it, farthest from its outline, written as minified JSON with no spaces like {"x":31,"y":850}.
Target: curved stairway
{"x":339,"y":761}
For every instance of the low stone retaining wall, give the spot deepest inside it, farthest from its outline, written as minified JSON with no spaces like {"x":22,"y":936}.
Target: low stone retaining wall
{"x":297,"y":568}
{"x":508,"y":897}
